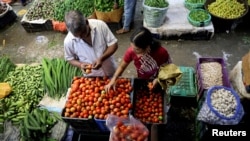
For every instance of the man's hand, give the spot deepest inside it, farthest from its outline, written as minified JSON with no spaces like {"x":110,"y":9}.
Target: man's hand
{"x":110,"y":85}
{"x":86,"y":68}
{"x":97,"y":64}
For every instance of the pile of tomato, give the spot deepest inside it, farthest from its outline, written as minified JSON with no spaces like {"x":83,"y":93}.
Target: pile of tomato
{"x":149,"y":106}
{"x":88,"y":99}
{"x":129,"y":132}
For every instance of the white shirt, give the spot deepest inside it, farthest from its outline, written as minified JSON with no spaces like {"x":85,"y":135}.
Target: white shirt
{"x":102,"y":37}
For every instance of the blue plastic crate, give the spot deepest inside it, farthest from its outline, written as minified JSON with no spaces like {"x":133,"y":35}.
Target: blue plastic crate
{"x":101,"y":123}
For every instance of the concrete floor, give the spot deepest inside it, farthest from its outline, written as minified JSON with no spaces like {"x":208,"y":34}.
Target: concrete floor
{"x":23,"y":47}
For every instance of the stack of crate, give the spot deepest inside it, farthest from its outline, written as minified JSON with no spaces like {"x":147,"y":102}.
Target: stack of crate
{"x":184,"y":92}
{"x":203,"y":130}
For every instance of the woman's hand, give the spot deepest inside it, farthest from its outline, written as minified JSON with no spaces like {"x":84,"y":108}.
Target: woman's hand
{"x":155,"y":82}
{"x":110,"y":85}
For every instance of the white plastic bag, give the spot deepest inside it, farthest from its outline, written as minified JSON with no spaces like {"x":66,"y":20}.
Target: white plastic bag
{"x":127,"y":129}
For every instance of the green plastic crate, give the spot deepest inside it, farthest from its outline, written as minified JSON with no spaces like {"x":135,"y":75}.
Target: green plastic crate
{"x":185,"y":91}
{"x":187,"y":86}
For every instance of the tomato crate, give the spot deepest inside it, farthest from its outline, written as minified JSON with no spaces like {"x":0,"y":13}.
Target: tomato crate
{"x":154,"y":99}
{"x":81,"y":125}
{"x":200,"y":77}
{"x":184,"y":92}
{"x":92,"y":91}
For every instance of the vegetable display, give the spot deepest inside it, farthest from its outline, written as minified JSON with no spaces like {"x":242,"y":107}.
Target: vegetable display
{"x":6,"y":65}
{"x":228,"y":9}
{"x":133,"y":130}
{"x":37,"y":125}
{"x":63,"y":6}
{"x":211,"y":74}
{"x":224,"y":102}
{"x":57,"y":76}
{"x":195,"y":1}
{"x":107,"y":5}
{"x":156,"y":3}
{"x":27,"y":91}
{"x":42,"y":9}
{"x":199,"y":15}
{"x":88,"y":99}
{"x":148,"y":105}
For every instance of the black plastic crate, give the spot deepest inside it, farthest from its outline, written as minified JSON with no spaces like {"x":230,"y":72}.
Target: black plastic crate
{"x":37,"y":27}
{"x":81,"y":125}
{"x":142,"y":84}
{"x":8,"y":18}
{"x":101,"y":123}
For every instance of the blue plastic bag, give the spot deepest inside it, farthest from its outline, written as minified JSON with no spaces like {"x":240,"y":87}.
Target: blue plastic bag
{"x":211,"y":114}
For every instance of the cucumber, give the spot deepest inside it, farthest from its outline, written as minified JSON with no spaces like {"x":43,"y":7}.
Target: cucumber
{"x":34,"y":123}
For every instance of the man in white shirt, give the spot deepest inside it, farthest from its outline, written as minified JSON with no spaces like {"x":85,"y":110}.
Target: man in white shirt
{"x":89,"y":41}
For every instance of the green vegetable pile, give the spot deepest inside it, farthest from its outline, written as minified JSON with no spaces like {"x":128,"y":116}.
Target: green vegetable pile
{"x":57,"y":76}
{"x":42,"y":9}
{"x":6,"y":65}
{"x":107,"y":5}
{"x":37,"y":125}
{"x":199,"y":16}
{"x":63,"y":6}
{"x":27,"y":92}
{"x":195,"y":1}
{"x":228,"y":9}
{"x":156,"y":3}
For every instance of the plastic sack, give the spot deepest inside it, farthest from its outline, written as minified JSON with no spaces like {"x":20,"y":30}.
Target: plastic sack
{"x":59,"y":26}
{"x":153,"y":16}
{"x":222,"y":106}
{"x":5,"y":89}
{"x":126,"y":129}
{"x":169,"y":75}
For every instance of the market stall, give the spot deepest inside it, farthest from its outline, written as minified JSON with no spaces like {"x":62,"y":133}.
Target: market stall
{"x":53,"y":101}
{"x":47,"y":15}
{"x":224,"y":17}
{"x":176,"y":24}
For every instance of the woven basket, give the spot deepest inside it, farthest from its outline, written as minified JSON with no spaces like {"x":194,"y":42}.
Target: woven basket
{"x":114,"y":16}
{"x":199,"y":23}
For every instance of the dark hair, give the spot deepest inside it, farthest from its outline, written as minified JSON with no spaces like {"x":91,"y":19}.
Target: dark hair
{"x":75,"y":21}
{"x":142,"y":37}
